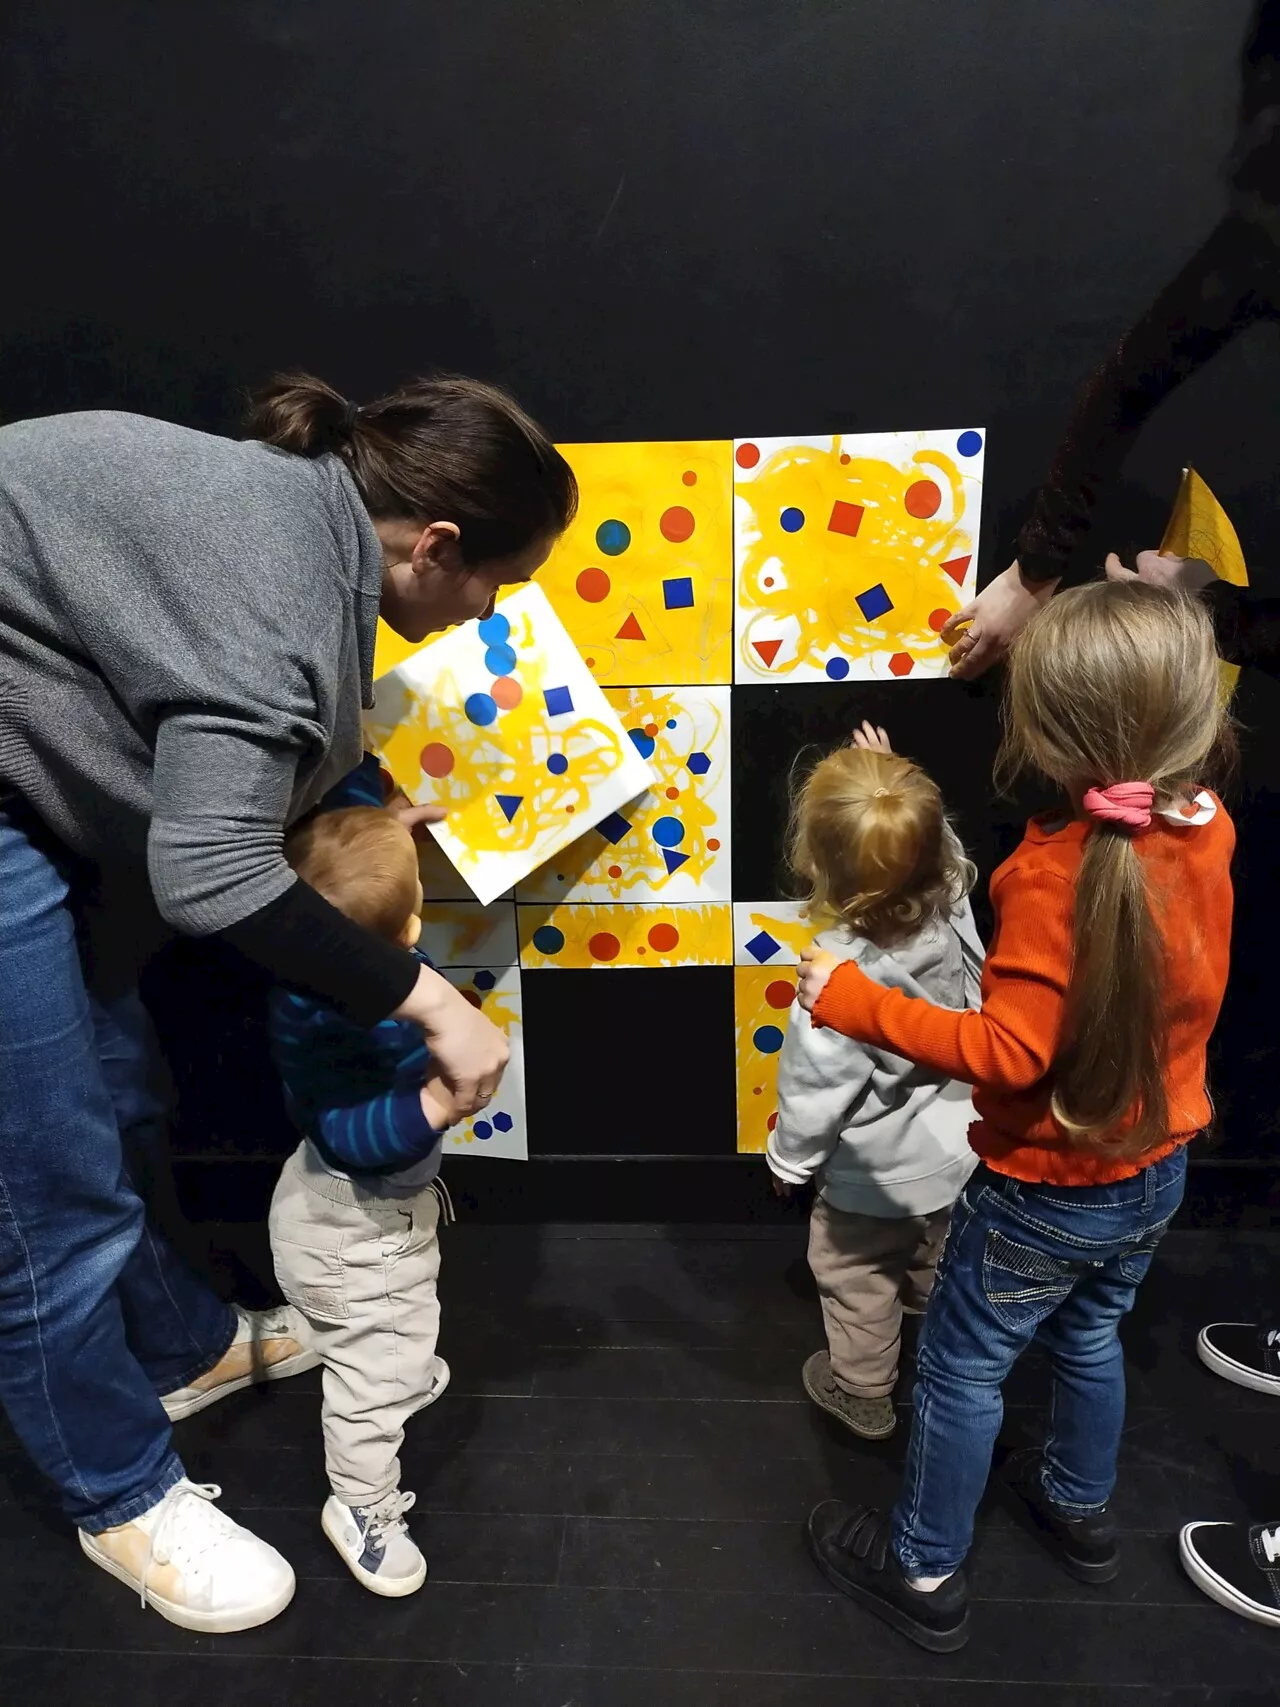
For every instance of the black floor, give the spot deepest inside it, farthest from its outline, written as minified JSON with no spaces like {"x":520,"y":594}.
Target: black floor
{"x":611,"y":1497}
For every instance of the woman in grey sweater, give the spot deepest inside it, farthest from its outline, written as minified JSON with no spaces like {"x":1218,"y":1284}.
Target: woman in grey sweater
{"x":187,"y":634}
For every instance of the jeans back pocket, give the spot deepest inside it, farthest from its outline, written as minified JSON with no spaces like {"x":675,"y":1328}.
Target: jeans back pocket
{"x":1024,"y":1285}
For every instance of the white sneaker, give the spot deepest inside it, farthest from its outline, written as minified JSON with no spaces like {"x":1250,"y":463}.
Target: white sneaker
{"x":376,"y":1544}
{"x":194,"y":1565}
{"x":270,"y":1345}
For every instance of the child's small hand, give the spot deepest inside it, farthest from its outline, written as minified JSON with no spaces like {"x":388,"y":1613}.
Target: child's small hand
{"x":781,"y":1187}
{"x":816,"y":966}
{"x":872,"y":737}
{"x":439,"y":1104}
{"x":400,"y":806}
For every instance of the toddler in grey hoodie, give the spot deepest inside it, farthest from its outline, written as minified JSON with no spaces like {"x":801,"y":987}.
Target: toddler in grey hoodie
{"x":886,"y":1141}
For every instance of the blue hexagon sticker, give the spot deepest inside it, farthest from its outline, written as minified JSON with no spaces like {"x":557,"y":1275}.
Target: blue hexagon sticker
{"x":698,"y":763}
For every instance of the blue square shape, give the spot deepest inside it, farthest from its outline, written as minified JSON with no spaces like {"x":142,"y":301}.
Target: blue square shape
{"x":763,"y":947}
{"x":677,"y":594}
{"x":559,"y":701}
{"x":874,"y":603}
{"x":614,"y":827}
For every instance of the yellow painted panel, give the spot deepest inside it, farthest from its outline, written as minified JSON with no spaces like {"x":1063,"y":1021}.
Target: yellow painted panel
{"x":643,"y":577}
{"x":762,"y":997}
{"x":609,"y":934}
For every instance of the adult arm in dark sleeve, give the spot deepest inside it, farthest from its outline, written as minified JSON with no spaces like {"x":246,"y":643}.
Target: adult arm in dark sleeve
{"x":1231,"y":281}
{"x":304,"y":941}
{"x":1246,"y":625}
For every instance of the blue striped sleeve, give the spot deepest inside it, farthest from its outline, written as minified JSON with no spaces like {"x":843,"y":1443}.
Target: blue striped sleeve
{"x":360,"y":787}
{"x":388,"y":1131}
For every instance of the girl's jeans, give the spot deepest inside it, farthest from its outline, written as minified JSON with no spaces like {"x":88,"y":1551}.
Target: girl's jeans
{"x":97,"y":1315}
{"x":1063,"y":1262}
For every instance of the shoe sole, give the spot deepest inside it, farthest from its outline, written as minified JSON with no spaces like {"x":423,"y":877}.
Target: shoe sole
{"x":389,"y":1590}
{"x":206,"y":1623}
{"x":1229,"y":1369}
{"x":1079,"y":1569}
{"x":184,"y":1408}
{"x":1216,"y":1587}
{"x":936,"y":1641}
{"x":824,"y":1403}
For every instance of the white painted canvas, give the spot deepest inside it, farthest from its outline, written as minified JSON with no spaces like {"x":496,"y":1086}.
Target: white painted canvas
{"x":502,"y":723}
{"x":500,"y":1130}
{"x":769,"y":933}
{"x":463,"y":933}
{"x":851,"y":552}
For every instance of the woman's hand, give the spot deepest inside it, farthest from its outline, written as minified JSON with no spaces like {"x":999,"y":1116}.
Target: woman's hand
{"x":1163,"y":569}
{"x":816,"y":967}
{"x":982,"y":633}
{"x":468,"y":1049}
{"x":872,"y":738}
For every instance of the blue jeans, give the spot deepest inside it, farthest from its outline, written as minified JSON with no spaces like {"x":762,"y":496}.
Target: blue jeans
{"x":1063,"y":1262}
{"x":97,"y":1316}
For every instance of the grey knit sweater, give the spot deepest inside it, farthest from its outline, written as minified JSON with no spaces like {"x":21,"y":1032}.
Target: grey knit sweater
{"x":186,"y":639}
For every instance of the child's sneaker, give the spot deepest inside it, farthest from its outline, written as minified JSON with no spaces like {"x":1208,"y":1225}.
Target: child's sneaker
{"x":1084,"y":1545}
{"x":873,"y":1419}
{"x":270,"y":1345}
{"x":850,"y":1544}
{"x":194,"y":1565}
{"x":376,"y":1544}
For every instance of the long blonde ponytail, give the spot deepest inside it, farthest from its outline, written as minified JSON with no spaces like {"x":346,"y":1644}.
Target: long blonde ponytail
{"x":1114,"y":683}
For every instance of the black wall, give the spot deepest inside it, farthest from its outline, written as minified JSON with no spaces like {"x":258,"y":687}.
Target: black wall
{"x":684,"y":218}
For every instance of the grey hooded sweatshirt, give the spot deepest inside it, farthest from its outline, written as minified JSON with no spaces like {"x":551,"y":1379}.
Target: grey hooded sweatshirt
{"x":881,"y":1135}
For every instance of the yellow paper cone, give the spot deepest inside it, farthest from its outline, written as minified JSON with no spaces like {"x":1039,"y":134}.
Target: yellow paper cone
{"x":1200,"y":527}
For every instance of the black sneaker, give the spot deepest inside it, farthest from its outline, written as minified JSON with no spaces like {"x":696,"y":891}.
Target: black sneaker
{"x":1242,"y":1352}
{"x":1236,"y":1564}
{"x":851,"y":1546}
{"x":1085,"y":1547}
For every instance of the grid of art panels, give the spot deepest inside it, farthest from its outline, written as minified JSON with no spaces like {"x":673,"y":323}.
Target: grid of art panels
{"x":695,"y":572}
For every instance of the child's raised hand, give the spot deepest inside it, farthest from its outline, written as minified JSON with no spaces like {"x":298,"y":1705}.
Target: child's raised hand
{"x":816,"y":966}
{"x":872,"y":737}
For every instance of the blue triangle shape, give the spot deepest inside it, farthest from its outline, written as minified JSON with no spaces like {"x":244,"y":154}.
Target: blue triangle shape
{"x":674,"y":860}
{"x":510,"y":804}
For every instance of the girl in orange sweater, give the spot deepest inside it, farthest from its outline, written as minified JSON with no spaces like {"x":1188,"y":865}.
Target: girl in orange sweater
{"x":1103,"y":981}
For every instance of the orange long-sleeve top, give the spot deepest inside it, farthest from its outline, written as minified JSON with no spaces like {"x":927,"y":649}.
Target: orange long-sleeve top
{"x":1005,"y":1050}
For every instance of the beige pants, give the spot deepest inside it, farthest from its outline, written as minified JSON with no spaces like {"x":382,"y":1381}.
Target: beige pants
{"x":868,"y":1270}
{"x":362,"y":1269}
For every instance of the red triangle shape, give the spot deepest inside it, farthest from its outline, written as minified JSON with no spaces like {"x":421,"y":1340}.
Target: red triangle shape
{"x":768,"y":650}
{"x":630,"y":630}
{"x":958,"y":568}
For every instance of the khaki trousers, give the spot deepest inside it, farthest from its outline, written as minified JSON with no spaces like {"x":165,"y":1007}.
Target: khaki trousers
{"x":869,"y":1269}
{"x":362,"y":1269}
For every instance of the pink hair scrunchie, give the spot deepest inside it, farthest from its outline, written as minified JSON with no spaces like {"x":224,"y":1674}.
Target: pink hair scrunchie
{"x":1125,"y":803}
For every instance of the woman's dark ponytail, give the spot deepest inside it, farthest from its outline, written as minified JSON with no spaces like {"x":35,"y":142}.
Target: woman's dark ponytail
{"x":299,"y":413}
{"x":440,"y":449}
